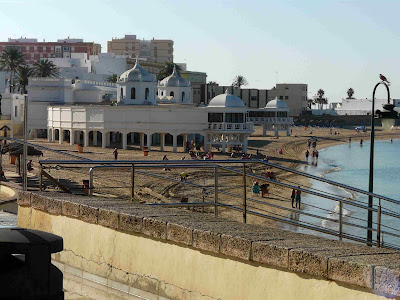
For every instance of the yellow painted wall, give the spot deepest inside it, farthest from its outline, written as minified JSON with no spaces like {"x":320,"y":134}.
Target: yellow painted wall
{"x":17,"y":128}
{"x":179,"y":272}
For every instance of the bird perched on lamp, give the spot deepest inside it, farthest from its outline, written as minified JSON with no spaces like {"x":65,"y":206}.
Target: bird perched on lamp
{"x":383,"y":78}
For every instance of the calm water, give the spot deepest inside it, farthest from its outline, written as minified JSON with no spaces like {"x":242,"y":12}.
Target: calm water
{"x":349,"y":164}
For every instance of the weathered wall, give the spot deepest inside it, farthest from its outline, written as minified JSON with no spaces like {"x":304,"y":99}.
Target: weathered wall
{"x":139,"y":248}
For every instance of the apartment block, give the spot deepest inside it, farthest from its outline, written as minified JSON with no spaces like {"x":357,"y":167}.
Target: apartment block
{"x":63,"y":48}
{"x":160,"y":51}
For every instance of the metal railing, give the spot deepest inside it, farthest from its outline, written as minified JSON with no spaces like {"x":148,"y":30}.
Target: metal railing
{"x":239,"y":167}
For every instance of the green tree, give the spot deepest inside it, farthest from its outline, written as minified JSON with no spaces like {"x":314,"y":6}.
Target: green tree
{"x":23,"y":73}
{"x":167,"y":70}
{"x":46,"y":68}
{"x":239,"y":81}
{"x":319,"y":99}
{"x":10,"y":60}
{"x":112,"y":78}
{"x":212,"y":83}
{"x":350,"y":93}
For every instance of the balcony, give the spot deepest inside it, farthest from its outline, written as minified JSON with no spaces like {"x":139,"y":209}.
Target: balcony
{"x":230,"y":126}
{"x":271,"y":120}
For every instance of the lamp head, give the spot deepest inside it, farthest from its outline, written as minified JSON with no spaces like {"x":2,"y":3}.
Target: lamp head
{"x":388,"y":116}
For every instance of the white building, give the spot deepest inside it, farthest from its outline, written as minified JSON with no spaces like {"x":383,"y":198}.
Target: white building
{"x":174,"y":89}
{"x":273,"y":117}
{"x":360,"y":106}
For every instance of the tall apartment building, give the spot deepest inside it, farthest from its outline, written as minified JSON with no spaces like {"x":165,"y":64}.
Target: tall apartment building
{"x":153,"y":50}
{"x":294,"y":94}
{"x":63,"y":48}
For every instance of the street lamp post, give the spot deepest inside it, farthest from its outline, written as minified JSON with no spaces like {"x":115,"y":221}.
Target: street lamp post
{"x":388,"y":117}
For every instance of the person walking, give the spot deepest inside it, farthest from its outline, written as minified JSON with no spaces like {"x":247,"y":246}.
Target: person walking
{"x":115,"y":154}
{"x":316,"y":154}
{"x":307,"y":154}
{"x":293,"y":196}
{"x":264,"y":189}
{"x":298,"y":197}
{"x":256,"y":188}
{"x":361,"y":142}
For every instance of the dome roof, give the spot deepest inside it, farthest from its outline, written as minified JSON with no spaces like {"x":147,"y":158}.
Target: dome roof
{"x":174,"y":80}
{"x":277,"y":104}
{"x":137,"y":73}
{"x":226,"y":100}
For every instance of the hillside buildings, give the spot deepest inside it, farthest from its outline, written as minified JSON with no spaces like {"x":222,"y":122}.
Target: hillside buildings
{"x":63,"y":48}
{"x":160,"y":51}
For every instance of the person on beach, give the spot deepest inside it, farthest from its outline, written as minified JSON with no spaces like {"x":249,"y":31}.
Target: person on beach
{"x":298,"y":197}
{"x":309,"y":143}
{"x":256,"y":188}
{"x":115,"y":154}
{"x":316,"y":154}
{"x":183,"y":176}
{"x":361,"y":142}
{"x":307,"y":154}
{"x":349,"y":140}
{"x":264,"y":189}
{"x":314,"y":144}
{"x":293,"y":196}
{"x":391,"y":140}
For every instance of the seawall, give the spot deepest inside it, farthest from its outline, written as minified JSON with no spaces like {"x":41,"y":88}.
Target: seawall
{"x":177,"y":254}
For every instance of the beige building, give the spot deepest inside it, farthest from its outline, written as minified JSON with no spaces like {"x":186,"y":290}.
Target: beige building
{"x":153,"y":50}
{"x":295,"y":95}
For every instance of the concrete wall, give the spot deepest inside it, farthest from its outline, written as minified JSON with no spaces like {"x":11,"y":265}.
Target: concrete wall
{"x":174,"y":254}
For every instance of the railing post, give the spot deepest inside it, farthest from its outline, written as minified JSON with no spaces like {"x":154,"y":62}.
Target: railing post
{"x":340,"y":220}
{"x":132,"y":182}
{"x":40,"y":179}
{"x":378,"y":226}
{"x":216,"y":191}
{"x":244,"y":195}
{"x":91,"y":171}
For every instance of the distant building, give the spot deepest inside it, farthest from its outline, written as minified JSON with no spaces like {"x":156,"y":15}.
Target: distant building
{"x":63,"y":48}
{"x":357,"y":107}
{"x":295,"y":96}
{"x":153,"y":50}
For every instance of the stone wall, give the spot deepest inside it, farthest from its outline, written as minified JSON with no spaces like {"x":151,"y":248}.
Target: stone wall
{"x":178,"y":254}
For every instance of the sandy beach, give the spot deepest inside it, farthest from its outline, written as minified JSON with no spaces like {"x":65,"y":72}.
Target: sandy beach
{"x":149,"y":189}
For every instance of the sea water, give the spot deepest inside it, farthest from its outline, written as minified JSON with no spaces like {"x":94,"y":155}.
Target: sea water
{"x":349,"y":164}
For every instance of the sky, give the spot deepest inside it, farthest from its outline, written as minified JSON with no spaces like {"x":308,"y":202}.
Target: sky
{"x":330,"y":45}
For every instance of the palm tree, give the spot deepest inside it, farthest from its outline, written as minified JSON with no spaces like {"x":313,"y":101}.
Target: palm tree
{"x":24,"y":72}
{"x":319,"y":99}
{"x":167,"y":69}
{"x":239,"y":81}
{"x":10,"y":60}
{"x":112,"y":78}
{"x":46,"y":68}
{"x":350,"y":93}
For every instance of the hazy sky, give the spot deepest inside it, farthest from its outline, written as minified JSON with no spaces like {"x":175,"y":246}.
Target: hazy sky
{"x":331,"y":45}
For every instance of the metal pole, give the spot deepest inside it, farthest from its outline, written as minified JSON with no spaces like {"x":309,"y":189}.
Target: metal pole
{"x":91,"y":171}
{"x":244,"y":195}
{"x":371,"y":160}
{"x":216,"y":191}
{"x":40,"y":179}
{"x":25,"y":147}
{"x":378,"y":226}
{"x":340,"y":219}
{"x":132,"y":182}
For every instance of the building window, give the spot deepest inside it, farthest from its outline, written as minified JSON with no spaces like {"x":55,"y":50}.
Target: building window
{"x":215,"y":117}
{"x":282,"y":114}
{"x":183,"y":96}
{"x":146,"y":94}
{"x":15,"y":111}
{"x":171,"y":94}
{"x":286,"y":97}
{"x":122,"y":93}
{"x":133,"y":93}
{"x":253,"y":97}
{"x":234,"y":118}
{"x":286,"y":87}
{"x":280,"y":97}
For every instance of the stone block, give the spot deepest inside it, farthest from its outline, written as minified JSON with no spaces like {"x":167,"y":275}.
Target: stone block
{"x":130,"y":223}
{"x":38,"y":202}
{"x":179,"y":233}
{"x":271,"y":254}
{"x":308,"y":261}
{"x":387,"y":280}
{"x":235,"y":246}
{"x":70,"y":209}
{"x":53,"y":206}
{"x":154,"y":228}
{"x":88,"y":213}
{"x":206,"y":240}
{"x":108,"y":218}
{"x":24,"y":198}
{"x":350,"y":271}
